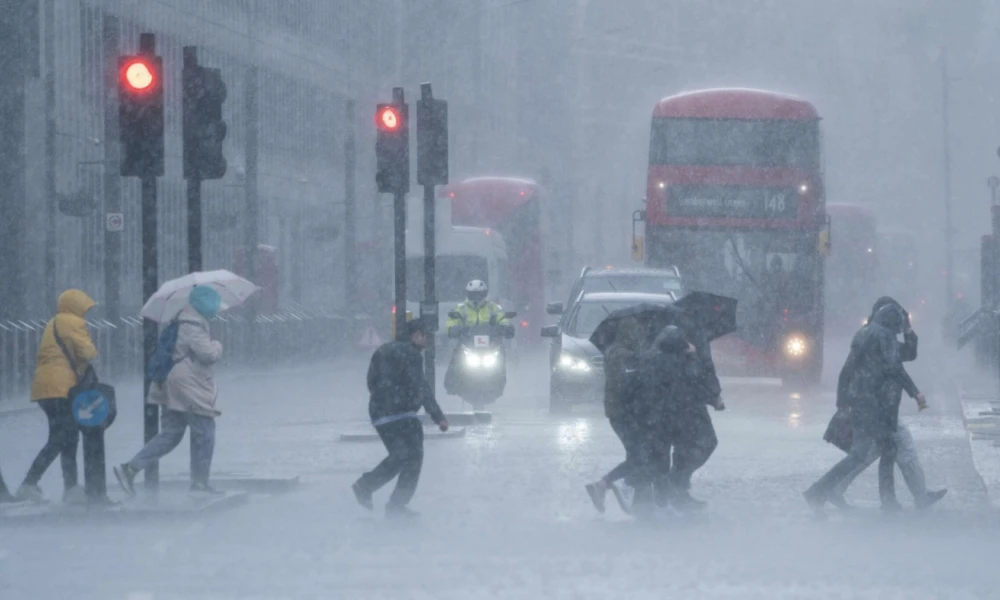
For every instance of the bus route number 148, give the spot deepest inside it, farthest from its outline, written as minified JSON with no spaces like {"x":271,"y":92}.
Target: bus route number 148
{"x":775,"y":203}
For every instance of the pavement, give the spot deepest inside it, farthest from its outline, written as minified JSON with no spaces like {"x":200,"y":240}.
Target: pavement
{"x":504,"y":513}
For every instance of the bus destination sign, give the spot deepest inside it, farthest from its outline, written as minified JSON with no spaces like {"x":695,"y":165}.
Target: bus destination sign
{"x":732,"y":202}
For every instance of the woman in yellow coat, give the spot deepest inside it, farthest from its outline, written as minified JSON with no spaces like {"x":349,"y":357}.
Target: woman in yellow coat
{"x":65,"y":334}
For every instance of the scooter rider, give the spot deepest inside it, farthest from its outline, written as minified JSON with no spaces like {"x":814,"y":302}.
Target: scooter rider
{"x":476,"y":310}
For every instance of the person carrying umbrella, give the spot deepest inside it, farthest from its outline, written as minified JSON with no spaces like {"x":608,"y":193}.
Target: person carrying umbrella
{"x":188,"y":396}
{"x":620,"y":390}
{"x":398,"y":391}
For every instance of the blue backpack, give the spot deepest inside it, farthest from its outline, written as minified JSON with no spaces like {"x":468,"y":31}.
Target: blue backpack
{"x":162,"y":360}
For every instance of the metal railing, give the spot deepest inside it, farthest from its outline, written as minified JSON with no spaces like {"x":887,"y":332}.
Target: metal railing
{"x":281,"y":338}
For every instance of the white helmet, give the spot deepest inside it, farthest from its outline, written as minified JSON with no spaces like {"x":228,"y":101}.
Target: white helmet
{"x":476,"y":290}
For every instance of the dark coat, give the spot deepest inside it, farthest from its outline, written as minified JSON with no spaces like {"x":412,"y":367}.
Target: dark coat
{"x":671,"y":379}
{"x":907,"y":353}
{"x":397,"y":384}
{"x":620,"y":364}
{"x":873,"y":376}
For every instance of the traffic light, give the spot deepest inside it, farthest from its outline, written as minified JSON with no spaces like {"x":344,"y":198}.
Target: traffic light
{"x":140,"y":115}
{"x":432,"y":139}
{"x":392,"y":147}
{"x":204,"y":128}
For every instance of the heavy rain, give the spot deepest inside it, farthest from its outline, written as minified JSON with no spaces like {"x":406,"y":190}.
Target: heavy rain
{"x":499,"y":299}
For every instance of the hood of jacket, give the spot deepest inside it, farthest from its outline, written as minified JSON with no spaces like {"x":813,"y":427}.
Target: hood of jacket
{"x":74,"y":302}
{"x":881,"y":303}
{"x":891,"y":316}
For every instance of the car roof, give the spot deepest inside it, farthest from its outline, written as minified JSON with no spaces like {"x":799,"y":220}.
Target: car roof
{"x":633,"y":271}
{"x":634,"y":297}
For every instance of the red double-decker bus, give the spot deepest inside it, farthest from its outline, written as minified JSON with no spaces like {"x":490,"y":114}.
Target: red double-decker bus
{"x":512,"y":206}
{"x":852,"y":270}
{"x":735,"y":199}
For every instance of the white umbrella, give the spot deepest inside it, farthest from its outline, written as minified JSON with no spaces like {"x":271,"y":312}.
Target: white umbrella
{"x":172,"y":297}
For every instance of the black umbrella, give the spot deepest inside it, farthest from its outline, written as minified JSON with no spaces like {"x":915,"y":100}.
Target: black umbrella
{"x":654,"y":317}
{"x":715,"y":315}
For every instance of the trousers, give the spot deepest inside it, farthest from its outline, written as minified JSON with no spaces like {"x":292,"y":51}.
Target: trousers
{"x":63,"y":441}
{"x":906,"y":458}
{"x":172,"y":426}
{"x":404,"y":439}
{"x":864,"y":443}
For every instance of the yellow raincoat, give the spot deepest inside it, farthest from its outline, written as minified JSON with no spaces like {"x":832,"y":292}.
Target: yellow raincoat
{"x":53,"y":375}
{"x":477,"y":317}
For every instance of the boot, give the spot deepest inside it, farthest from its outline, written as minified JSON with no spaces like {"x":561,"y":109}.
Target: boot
{"x":930,"y":499}
{"x":685,"y":502}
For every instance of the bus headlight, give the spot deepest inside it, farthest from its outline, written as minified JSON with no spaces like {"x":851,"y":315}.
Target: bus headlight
{"x":568,"y":362}
{"x":796,"y":346}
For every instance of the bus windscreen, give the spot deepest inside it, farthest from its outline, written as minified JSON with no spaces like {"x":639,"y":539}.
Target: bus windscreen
{"x":762,"y":143}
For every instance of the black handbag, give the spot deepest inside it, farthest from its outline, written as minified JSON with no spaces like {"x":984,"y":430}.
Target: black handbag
{"x":89,"y":394}
{"x":840,"y":431}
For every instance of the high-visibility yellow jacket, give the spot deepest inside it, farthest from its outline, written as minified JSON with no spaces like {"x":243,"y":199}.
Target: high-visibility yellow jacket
{"x":474,"y":317}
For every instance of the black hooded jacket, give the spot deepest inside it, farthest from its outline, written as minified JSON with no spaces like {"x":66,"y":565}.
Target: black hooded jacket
{"x":873,"y":374}
{"x":397,"y":383}
{"x":907,"y":350}
{"x":671,"y":378}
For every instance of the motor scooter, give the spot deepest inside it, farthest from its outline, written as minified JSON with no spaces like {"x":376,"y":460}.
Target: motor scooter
{"x":477,"y":372}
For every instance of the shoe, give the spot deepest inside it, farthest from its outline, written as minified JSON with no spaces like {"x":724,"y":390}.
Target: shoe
{"x":30,"y":493}
{"x":362,"y":495}
{"x":102,"y":502}
{"x":685,"y":502}
{"x":839,"y":501}
{"x":6,"y":497}
{"x":597,"y":492}
{"x":815,"y":500}
{"x":624,"y":497}
{"x":891,"y":506}
{"x":75,"y":495}
{"x":198,"y":487}
{"x":125,"y":474}
{"x":931,"y":498}
{"x":400,"y":512}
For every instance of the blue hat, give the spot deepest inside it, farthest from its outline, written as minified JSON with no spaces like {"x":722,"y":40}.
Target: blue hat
{"x":205,"y":300}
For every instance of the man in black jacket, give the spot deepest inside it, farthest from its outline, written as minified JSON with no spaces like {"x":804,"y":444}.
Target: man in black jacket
{"x":874,"y":377}
{"x":906,"y":453}
{"x":398,"y":391}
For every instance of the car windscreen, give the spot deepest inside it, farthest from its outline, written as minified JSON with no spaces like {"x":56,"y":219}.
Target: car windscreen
{"x":588,"y":315}
{"x":640,"y":284}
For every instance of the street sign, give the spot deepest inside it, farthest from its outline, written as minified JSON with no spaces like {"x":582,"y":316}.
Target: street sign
{"x":94,"y":407}
{"x":114,"y":221}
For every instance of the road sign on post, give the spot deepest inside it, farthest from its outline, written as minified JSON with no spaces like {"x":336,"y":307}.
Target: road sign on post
{"x":114,"y":222}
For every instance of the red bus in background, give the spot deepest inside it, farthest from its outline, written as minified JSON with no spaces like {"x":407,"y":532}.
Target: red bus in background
{"x":735,"y":199}
{"x":512,"y":206}
{"x":852,"y":270}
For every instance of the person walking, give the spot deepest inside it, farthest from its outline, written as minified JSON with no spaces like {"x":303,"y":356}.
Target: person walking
{"x":906,"y":452}
{"x":874,"y":379}
{"x":620,"y":389}
{"x":398,"y":391}
{"x":188,"y":396}
{"x":64,"y":355}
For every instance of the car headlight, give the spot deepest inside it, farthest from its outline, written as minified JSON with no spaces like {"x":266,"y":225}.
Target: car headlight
{"x":571,"y":363}
{"x":796,"y":346}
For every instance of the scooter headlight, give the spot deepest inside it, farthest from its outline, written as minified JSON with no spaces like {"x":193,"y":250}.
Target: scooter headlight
{"x":478,"y":360}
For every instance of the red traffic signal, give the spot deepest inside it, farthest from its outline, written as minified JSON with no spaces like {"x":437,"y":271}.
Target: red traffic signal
{"x":138,"y":74}
{"x":387,"y":118}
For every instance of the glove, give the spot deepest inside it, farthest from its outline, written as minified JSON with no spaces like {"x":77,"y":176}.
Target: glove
{"x":443,"y":425}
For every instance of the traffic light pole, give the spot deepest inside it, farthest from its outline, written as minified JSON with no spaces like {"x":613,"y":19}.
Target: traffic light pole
{"x":430,"y":294}
{"x":399,"y":231}
{"x":193,"y":192}
{"x":150,"y":283}
{"x":112,"y":195}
